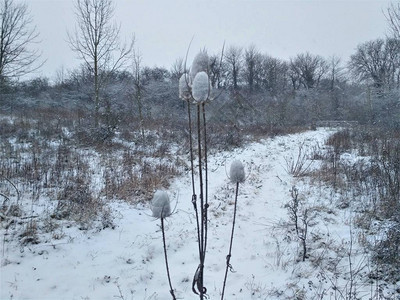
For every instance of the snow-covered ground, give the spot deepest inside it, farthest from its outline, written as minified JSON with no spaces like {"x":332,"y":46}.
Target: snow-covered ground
{"x":128,"y":263}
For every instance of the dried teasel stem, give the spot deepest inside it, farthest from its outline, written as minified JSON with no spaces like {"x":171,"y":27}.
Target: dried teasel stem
{"x":194,"y":196}
{"x":228,"y":257}
{"x":166,"y":259}
{"x":200,"y":281}
{"x":206,"y":181}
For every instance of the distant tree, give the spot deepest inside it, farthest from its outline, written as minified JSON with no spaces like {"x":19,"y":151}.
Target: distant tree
{"x":336,"y":71}
{"x":216,"y":68}
{"x":251,"y":66}
{"x":96,"y":41}
{"x":377,"y":62}
{"x":335,"y":78}
{"x":177,"y":69}
{"x":61,"y":76}
{"x":215,"y":71}
{"x":233,"y":64}
{"x":274,"y":74}
{"x":307,"y":70}
{"x":35,"y":86}
{"x":294,"y":76}
{"x":138,"y":87}
{"x":17,"y":34}
{"x":155,"y":74}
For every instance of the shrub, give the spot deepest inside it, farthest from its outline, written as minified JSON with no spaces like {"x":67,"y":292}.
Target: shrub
{"x":340,"y":141}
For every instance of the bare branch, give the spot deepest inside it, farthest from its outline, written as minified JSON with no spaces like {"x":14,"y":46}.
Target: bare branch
{"x":16,"y":37}
{"x":392,"y":15}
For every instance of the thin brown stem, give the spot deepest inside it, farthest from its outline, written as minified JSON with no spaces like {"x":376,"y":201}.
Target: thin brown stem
{"x":191,"y":147}
{"x":166,"y":259}
{"x":228,"y":257}
{"x":201,"y":271}
{"x":206,"y":181}
{"x":194,"y":196}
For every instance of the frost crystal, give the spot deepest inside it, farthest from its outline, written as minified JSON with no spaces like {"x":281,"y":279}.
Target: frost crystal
{"x":236,"y":173}
{"x":201,"y":87}
{"x":184,"y":91}
{"x":160,"y":205}
{"x":200,"y":64}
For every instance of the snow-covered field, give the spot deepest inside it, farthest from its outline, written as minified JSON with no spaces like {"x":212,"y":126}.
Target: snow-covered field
{"x":128,"y":263}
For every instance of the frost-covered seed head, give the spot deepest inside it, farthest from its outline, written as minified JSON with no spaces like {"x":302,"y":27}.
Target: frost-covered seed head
{"x":160,"y":205}
{"x":200,"y":64}
{"x":236,"y":173}
{"x":201,"y":87}
{"x":184,"y":90}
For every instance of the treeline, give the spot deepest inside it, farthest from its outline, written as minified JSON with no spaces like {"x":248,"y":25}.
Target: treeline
{"x":255,"y":90}
{"x":300,"y":91}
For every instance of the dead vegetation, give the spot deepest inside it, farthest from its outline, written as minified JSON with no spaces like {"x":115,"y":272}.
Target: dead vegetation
{"x":363,"y":167}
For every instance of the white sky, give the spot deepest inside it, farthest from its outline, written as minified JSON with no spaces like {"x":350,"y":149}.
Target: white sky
{"x":164,"y":28}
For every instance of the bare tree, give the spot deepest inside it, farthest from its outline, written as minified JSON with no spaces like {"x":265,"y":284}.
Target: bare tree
{"x":216,"y":68}
{"x":377,"y":62}
{"x":251,"y":64}
{"x":273,"y":74}
{"x":96,"y":41}
{"x":177,"y":69}
{"x":215,"y":71}
{"x":233,"y":64}
{"x":308,"y":69}
{"x":336,"y":75}
{"x":336,"y":71}
{"x":139,"y":87}
{"x":17,"y":34}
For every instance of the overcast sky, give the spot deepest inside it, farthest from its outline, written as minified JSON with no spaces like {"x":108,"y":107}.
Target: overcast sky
{"x":164,"y":28}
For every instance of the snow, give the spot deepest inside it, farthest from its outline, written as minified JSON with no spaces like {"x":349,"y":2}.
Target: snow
{"x":127,"y":262}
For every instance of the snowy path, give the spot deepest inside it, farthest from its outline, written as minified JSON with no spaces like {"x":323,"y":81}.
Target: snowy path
{"x":127,"y":262}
